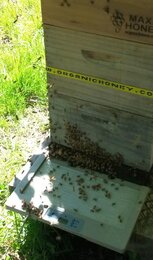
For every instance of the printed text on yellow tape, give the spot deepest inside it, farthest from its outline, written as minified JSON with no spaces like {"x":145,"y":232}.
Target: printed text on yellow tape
{"x":100,"y":82}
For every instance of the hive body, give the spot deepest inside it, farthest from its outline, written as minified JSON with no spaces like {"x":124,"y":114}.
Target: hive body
{"x":99,"y":59}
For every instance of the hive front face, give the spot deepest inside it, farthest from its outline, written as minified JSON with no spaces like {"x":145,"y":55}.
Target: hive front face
{"x":99,"y":85}
{"x":128,"y":19}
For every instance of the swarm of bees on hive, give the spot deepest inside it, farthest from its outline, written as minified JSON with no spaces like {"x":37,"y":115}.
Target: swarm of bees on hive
{"x":82,"y":152}
{"x":31,"y":209}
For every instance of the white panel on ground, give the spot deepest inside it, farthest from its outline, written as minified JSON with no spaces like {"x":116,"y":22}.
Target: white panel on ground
{"x":82,"y":202}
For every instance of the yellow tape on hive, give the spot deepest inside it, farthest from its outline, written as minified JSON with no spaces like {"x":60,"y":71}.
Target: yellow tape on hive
{"x":100,"y":82}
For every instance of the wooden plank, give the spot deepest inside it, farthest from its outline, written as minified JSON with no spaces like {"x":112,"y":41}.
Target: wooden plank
{"x":114,"y":130}
{"x":111,"y":59}
{"x":105,"y":221}
{"x":36,"y":158}
{"x":31,"y":173}
{"x":128,"y":19}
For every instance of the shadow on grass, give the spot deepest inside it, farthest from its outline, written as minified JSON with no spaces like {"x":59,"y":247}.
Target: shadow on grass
{"x":44,"y":242}
{"x":47,"y":243}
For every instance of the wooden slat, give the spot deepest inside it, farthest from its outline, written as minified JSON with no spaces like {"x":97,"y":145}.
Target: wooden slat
{"x":31,"y":173}
{"x":128,"y":19}
{"x":111,"y":59}
{"x":116,"y":131}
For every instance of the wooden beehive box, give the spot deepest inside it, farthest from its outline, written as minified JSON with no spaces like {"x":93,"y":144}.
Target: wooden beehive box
{"x":99,"y":62}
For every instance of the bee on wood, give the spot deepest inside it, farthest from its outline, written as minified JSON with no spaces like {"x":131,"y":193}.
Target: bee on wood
{"x":105,"y":181}
{"x":92,"y":210}
{"x":24,"y":204}
{"x":85,"y":198}
{"x":108,"y":195}
{"x":140,"y":202}
{"x":95,"y":199}
{"x":98,"y":209}
{"x":45,"y":206}
{"x":120,"y":219}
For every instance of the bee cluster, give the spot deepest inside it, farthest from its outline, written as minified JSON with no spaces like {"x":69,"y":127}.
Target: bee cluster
{"x":81,"y":151}
{"x":31,"y":209}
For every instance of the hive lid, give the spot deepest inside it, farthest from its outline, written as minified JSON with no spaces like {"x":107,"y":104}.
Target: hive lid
{"x":81,"y":202}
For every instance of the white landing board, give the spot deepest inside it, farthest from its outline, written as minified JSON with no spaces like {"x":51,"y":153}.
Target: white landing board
{"x":82,"y":202}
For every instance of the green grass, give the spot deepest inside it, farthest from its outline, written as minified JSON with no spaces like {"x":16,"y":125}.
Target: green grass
{"x":22,"y":83}
{"x":22,"y":55}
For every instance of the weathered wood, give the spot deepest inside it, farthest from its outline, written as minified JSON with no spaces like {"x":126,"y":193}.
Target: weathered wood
{"x":109,"y":225}
{"x":111,"y":59}
{"x":128,"y":19}
{"x":31,"y":173}
{"x":115,"y":130}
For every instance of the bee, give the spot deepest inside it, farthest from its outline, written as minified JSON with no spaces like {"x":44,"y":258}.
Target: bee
{"x":85,"y":198}
{"x":52,"y":178}
{"x":140,"y":202}
{"x":24,"y":204}
{"x":63,"y":175}
{"x":120,"y":219}
{"x":95,"y":199}
{"x":121,"y":184}
{"x":98,"y":209}
{"x":108,"y":195}
{"x":92,"y":210}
